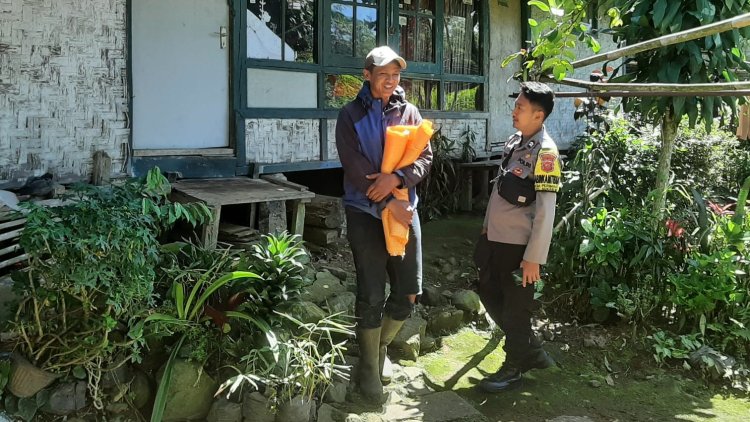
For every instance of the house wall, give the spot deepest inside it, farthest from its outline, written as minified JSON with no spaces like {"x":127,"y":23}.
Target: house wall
{"x":282,"y":140}
{"x":63,"y":87}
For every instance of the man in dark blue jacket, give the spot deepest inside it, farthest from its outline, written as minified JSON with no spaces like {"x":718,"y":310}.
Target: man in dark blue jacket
{"x":360,"y":136}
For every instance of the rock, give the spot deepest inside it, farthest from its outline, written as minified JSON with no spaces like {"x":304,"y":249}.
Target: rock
{"x":117,"y":408}
{"x":570,"y":419}
{"x":595,"y":383}
{"x":324,"y":286}
{"x":431,"y":297}
{"x":328,"y":413}
{"x":307,"y":312}
{"x":223,"y":410}
{"x":353,"y":417}
{"x":722,"y":364}
{"x":255,"y":408}
{"x":407,"y":342}
{"x":298,"y":409}
{"x":467,"y":301}
{"x":190,"y":393}
{"x":445,"y":320}
{"x":8,"y":299}
{"x":140,"y":389}
{"x":336,"y":393}
{"x":115,"y":380}
{"x":339,"y":273}
{"x":453,"y":261}
{"x":427,"y":344}
{"x":342,"y":302}
{"x":445,"y":406}
{"x":66,"y":398}
{"x":595,"y":341}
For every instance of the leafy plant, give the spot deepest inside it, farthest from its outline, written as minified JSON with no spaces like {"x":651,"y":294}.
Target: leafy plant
{"x":304,"y":364}
{"x":553,"y":38}
{"x":667,"y":347}
{"x":277,"y":260}
{"x":91,"y":274}
{"x":437,"y":191}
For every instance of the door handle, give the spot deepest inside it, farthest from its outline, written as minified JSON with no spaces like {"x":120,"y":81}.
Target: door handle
{"x":222,"y":37}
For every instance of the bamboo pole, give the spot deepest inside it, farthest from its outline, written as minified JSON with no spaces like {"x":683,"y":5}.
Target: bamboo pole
{"x":740,"y":21}
{"x":652,"y":87}
{"x":592,"y":94}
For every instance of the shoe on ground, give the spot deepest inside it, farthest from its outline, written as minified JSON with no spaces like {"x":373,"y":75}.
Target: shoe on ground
{"x":542,"y":361}
{"x":504,"y":379}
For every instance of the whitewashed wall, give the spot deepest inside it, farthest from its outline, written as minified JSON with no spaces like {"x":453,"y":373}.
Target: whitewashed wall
{"x":63,"y":87}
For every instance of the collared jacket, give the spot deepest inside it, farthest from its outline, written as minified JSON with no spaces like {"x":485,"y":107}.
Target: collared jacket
{"x":536,"y":158}
{"x":360,"y":136}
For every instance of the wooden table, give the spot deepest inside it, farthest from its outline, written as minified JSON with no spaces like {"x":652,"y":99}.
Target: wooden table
{"x":216,"y":193}
{"x":466,"y":171}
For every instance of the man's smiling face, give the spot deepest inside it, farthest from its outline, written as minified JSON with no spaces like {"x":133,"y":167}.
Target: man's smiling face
{"x":383,"y":79}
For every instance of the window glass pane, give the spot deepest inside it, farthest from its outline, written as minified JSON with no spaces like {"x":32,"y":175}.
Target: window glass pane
{"x":268,"y":88}
{"x":425,"y":52}
{"x":340,"y":89}
{"x":342,"y":27}
{"x":300,"y":29}
{"x":367,"y":19}
{"x":422,"y":6}
{"x":463,"y":96}
{"x":461,"y":37}
{"x":408,"y":26}
{"x":264,"y":30}
{"x":422,"y":93}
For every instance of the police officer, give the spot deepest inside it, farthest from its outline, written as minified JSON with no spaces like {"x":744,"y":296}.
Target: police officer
{"x":517,"y":232}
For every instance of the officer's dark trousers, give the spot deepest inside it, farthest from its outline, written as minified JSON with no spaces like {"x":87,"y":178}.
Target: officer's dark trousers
{"x":372,"y":262}
{"x":509,"y":304}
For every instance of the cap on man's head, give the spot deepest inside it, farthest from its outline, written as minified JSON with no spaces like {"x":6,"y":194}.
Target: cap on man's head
{"x":381,"y":56}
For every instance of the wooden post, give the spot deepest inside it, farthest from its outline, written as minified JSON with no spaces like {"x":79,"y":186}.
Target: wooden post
{"x":210,"y":230}
{"x":102,"y":169}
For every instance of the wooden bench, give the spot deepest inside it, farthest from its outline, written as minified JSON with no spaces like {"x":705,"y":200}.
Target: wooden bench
{"x":466,"y":171}
{"x":216,"y":193}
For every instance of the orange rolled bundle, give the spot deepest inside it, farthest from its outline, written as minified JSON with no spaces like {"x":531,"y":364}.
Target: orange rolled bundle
{"x":403,"y":145}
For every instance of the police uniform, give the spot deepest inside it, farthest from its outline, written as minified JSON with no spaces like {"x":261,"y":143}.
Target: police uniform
{"x":518,"y":223}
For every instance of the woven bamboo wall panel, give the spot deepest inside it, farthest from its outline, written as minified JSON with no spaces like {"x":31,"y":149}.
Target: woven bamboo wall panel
{"x":282,"y":140}
{"x":333,"y":153}
{"x":62,"y":87}
{"x":454,"y":129}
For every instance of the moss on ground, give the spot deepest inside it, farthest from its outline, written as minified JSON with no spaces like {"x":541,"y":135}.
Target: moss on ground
{"x":467,"y":356}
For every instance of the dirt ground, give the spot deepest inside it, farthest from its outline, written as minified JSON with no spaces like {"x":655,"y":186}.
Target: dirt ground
{"x":614,"y":380}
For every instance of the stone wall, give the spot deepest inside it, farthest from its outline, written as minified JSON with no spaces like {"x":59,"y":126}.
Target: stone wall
{"x":63,"y":87}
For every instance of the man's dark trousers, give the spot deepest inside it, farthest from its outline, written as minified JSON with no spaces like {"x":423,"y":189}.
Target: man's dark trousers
{"x":372,"y":262}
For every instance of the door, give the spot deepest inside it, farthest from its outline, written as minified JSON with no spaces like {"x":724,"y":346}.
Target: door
{"x":180,"y":71}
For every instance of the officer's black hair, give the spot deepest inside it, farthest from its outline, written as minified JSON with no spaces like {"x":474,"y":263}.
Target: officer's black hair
{"x":540,"y":95}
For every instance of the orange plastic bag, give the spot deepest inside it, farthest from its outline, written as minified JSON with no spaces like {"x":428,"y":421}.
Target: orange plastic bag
{"x":403,"y":145}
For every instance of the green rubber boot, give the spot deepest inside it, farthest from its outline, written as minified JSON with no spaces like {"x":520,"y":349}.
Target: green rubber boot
{"x":388,"y":332}
{"x":369,"y":376}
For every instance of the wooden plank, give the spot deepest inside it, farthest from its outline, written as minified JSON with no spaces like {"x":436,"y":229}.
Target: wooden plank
{"x":10,"y":249}
{"x":11,"y":234}
{"x":467,"y":189}
{"x":298,"y":217}
{"x":237,"y":191}
{"x":102,"y":169}
{"x":208,"y":152}
{"x":13,"y":223}
{"x":283,"y":182}
{"x":210,"y":230}
{"x":12,"y":261}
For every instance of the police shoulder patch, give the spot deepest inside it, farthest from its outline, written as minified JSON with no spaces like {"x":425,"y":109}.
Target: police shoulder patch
{"x":547,"y":172}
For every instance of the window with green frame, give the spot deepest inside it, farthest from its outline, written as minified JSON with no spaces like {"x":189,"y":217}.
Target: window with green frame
{"x":440,"y":39}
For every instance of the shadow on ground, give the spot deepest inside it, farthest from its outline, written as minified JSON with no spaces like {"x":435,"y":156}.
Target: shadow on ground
{"x":636,"y":389}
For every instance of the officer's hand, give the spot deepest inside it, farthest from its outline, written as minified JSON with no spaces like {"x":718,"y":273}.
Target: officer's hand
{"x":531,"y":272}
{"x":401,"y":211}
{"x":383,"y":185}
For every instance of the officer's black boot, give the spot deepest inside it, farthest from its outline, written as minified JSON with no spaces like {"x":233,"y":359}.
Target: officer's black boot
{"x":508,"y":377}
{"x":537,"y":357}
{"x":388,"y":331}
